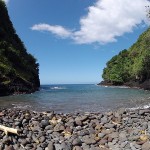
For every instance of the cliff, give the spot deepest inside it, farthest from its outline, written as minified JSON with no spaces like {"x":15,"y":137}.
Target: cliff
{"x":19,"y":71}
{"x":130,"y":67}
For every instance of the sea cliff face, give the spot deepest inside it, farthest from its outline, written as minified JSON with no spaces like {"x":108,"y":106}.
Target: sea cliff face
{"x":19,"y":71}
{"x":130,"y":67}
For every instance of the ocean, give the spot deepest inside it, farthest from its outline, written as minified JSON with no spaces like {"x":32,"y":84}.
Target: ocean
{"x":74,"y":98}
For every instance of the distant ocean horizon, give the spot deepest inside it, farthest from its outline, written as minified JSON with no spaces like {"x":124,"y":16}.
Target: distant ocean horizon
{"x":71,"y":98}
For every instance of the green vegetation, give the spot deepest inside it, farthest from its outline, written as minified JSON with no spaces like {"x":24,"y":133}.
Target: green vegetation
{"x":18,"y":69}
{"x":130,"y":65}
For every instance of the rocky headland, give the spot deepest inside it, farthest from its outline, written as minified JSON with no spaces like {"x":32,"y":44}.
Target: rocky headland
{"x":19,"y":70}
{"x":120,"y":130}
{"x":131,"y":67}
{"x":131,"y":84}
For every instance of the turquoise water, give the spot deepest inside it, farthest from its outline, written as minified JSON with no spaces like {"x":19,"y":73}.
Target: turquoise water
{"x":79,"y":98}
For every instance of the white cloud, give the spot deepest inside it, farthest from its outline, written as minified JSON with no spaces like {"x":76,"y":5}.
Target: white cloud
{"x":106,"y":20}
{"x":57,"y":30}
{"x":6,"y":1}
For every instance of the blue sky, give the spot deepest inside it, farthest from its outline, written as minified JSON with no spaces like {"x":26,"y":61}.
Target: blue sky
{"x":73,"y":39}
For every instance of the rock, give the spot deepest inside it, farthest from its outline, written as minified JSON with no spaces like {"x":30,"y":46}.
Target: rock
{"x":109,"y":125}
{"x":85,"y":146}
{"x":50,"y":146}
{"x":94,"y":147}
{"x":123,"y":144}
{"x":133,"y":138}
{"x":78,"y":123}
{"x":76,"y":142}
{"x":77,"y":148}
{"x":83,"y":133}
{"x":58,"y":147}
{"x":66,"y":146}
{"x":101,"y":135}
{"x":24,"y":142}
{"x":81,"y":118}
{"x":35,"y":139}
{"x":99,"y":116}
{"x":44,"y":123}
{"x":49,"y":127}
{"x":122,"y":136}
{"x":24,"y":121}
{"x":88,"y":140}
{"x":59,"y":128}
{"x":132,"y":146}
{"x":10,"y":148}
{"x":91,"y":134}
{"x":110,"y":139}
{"x":98,"y":127}
{"x":49,"y":131}
{"x":62,"y":146}
{"x":137,"y":146}
{"x":104,"y":120}
{"x":39,"y":148}
{"x":42,"y":139}
{"x":114,"y":135}
{"x":143,"y":111}
{"x":144,"y":125}
{"x":15,"y":147}
{"x":146,"y":146}
{"x":18,"y":123}
{"x":144,"y":137}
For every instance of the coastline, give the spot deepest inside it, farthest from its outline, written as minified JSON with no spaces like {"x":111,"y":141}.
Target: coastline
{"x":132,"y":84}
{"x":117,"y":130}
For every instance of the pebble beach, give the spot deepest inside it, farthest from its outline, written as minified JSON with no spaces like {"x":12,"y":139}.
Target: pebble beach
{"x":119,"y":130}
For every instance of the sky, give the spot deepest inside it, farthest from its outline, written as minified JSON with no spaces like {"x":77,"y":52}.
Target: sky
{"x":73,"y":39}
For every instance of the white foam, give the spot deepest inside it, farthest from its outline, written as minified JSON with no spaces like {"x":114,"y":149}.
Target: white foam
{"x":21,"y":107}
{"x":57,"y":88}
{"x":140,"y":107}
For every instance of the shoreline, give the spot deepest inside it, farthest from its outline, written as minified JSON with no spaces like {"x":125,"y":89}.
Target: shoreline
{"x":121,"y":86}
{"x":115,"y":130}
{"x":145,"y":85}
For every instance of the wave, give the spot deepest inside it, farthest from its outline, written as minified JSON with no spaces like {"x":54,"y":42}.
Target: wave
{"x":139,"y":107}
{"x":20,"y":106}
{"x":122,"y":87}
{"x":57,"y":88}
